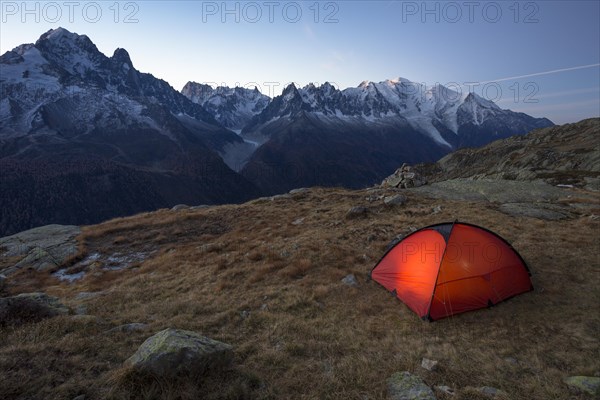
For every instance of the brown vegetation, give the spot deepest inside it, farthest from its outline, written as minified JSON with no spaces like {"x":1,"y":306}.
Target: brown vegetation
{"x":246,"y":275}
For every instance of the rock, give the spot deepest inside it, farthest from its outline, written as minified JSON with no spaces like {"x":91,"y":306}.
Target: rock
{"x":200,"y":207}
{"x":429,"y":365}
{"x":41,"y":248}
{"x":81,"y":309}
{"x":245,"y":314}
{"x":492,"y":392}
{"x":299,"y":190}
{"x":298,"y":221}
{"x":350,"y":280}
{"x":404,"y":177}
{"x":395,"y":200}
{"x":28,"y":307}
{"x":533,"y":210}
{"x":87,"y":295}
{"x":499,"y":191}
{"x":436,"y":210}
{"x":445,"y":389}
{"x":80,"y":397}
{"x":126,"y":328}
{"x":586,"y":384}
{"x":180,"y":207}
{"x":174,"y":352}
{"x":357,"y":212}
{"x":405,"y":386}
{"x":511,"y":360}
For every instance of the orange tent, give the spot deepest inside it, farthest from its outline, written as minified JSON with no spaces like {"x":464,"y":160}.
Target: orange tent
{"x":450,"y":268}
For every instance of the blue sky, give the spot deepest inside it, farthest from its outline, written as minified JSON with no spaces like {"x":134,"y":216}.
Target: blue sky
{"x":548,"y":50}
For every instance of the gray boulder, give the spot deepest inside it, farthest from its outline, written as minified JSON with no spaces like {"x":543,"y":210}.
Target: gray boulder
{"x":405,"y":386}
{"x":585,"y":384}
{"x":492,"y":392}
{"x":40,"y":248}
{"x":27,"y":307}
{"x":395,"y":200}
{"x":357,"y":212}
{"x":174,"y":352}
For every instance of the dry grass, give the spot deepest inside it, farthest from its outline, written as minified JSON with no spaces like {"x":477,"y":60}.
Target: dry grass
{"x":248,"y":276}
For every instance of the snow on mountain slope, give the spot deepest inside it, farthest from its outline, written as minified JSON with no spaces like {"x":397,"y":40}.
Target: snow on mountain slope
{"x":232,"y":107}
{"x":437,"y":112}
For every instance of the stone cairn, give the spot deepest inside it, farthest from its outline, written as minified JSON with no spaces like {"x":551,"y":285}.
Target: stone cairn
{"x":405,"y":177}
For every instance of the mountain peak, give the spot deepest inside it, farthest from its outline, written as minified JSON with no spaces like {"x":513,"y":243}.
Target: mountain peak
{"x":122,"y":56}
{"x":58,"y":33}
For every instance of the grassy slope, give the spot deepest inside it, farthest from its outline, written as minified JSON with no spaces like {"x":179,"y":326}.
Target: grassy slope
{"x":315,"y":338}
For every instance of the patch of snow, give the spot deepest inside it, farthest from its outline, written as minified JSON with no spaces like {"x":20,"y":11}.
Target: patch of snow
{"x":63,"y":275}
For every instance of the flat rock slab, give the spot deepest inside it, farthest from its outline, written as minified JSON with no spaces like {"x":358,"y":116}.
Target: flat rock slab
{"x":500,"y":191}
{"x":174,"y":352}
{"x":40,"y":248}
{"x":405,"y":386}
{"x":544,"y":211}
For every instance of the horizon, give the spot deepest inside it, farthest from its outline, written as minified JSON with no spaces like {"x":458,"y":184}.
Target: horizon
{"x":320,"y":43}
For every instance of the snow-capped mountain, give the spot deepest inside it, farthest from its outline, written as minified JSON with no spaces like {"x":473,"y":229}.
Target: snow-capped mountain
{"x":87,"y":137}
{"x":394,"y":121}
{"x":232,"y":107}
{"x":437,"y":112}
{"x":84,"y":136}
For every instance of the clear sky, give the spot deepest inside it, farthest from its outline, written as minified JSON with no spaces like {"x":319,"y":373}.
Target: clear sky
{"x":538,"y":57}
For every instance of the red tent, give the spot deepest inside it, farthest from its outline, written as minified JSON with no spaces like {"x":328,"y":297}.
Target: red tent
{"x":450,"y":268}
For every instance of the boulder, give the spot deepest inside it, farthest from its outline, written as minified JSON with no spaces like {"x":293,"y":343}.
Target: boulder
{"x":405,"y":386}
{"x":357,"y":212}
{"x":586,"y":384}
{"x":27,"y":307}
{"x":174,"y":352}
{"x":395,"y":200}
{"x":41,"y":248}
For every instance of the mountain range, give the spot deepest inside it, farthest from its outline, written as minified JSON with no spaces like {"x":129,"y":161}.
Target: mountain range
{"x":85,"y":137}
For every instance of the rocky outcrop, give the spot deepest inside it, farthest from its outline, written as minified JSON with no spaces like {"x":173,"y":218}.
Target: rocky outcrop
{"x":565,"y":154}
{"x":29,"y":307}
{"x":172,"y":352}
{"x":40,"y":248}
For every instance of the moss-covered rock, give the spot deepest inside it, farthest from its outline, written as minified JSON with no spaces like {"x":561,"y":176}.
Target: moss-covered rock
{"x":174,"y":352}
{"x":405,"y":386}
